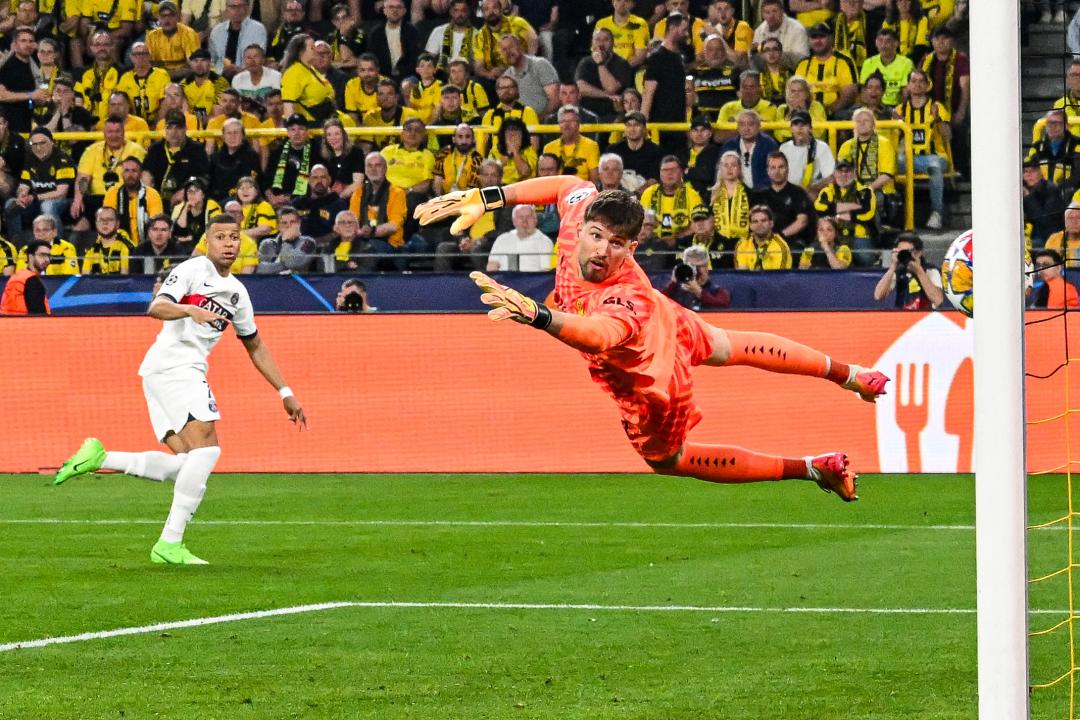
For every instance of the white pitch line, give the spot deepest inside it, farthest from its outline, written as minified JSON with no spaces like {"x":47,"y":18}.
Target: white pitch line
{"x":589,"y":607}
{"x":501,"y":523}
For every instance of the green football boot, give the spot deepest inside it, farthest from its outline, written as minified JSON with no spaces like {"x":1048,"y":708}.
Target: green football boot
{"x":87,"y":459}
{"x":167,"y":553}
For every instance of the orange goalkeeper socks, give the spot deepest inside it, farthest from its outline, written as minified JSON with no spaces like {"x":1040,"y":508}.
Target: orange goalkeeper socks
{"x":728,"y":464}
{"x":780,"y":355}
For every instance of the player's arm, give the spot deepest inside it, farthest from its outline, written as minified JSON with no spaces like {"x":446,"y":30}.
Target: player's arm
{"x":264,"y":362}
{"x":164,"y":307}
{"x":471,"y":204}
{"x":589,"y":334}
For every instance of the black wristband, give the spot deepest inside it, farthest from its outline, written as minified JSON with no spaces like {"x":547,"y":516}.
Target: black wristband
{"x":543,"y":317}
{"x":493,"y":197}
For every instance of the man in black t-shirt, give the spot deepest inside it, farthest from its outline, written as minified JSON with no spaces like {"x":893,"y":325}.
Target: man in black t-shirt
{"x":637,"y":151}
{"x":602,"y":76}
{"x":17,"y":76}
{"x":793,"y":212}
{"x":664,"y":98}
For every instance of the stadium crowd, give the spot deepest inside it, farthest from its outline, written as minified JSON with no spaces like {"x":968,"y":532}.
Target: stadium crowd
{"x":355,"y":87}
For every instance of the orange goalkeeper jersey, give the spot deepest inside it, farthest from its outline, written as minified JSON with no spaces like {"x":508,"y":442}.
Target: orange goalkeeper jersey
{"x":648,"y":374}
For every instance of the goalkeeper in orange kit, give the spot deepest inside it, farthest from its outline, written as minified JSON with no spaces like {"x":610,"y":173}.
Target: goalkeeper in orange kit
{"x":640,"y":345}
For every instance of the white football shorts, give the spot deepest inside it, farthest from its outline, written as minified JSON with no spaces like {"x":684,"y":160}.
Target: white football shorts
{"x":173,"y":397}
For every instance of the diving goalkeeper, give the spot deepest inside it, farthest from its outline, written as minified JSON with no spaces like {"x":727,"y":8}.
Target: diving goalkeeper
{"x":640,"y":345}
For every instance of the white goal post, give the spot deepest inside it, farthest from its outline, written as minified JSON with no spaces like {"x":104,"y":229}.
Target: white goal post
{"x":1000,"y":479}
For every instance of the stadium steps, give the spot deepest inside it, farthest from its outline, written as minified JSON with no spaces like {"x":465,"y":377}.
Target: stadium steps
{"x":1044,"y":61}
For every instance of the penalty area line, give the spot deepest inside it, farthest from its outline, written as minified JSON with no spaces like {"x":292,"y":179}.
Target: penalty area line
{"x":588,"y":607}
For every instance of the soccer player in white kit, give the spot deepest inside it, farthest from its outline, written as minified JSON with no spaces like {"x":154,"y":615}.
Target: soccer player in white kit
{"x":197,"y":301}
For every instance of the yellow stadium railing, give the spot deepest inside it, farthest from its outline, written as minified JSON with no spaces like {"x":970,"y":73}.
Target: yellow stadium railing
{"x":832,"y":127}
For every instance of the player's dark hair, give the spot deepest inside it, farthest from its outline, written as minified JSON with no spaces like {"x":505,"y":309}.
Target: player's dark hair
{"x":34,"y":245}
{"x":619,"y":211}
{"x":777,"y":155}
{"x":219,"y":219}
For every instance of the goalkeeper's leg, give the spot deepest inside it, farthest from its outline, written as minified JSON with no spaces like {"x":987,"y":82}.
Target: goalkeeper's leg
{"x":781,"y":355}
{"x":729,"y":464}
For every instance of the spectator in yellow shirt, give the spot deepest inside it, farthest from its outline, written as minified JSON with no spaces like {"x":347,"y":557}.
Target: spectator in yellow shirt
{"x":134,"y":202}
{"x":171,"y":42}
{"x":762,"y":249}
{"x":143,"y":84}
{"x":230,"y":108}
{"x":99,"y":170}
{"x":580,"y":156}
{"x":410,"y":165}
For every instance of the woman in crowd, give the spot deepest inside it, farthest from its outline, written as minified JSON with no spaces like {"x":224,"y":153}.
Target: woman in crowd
{"x":260,"y":220}
{"x":190,"y":216}
{"x":831,"y":253}
{"x":342,"y":158}
{"x":730,"y":203}
{"x":797,"y":96}
{"x":513,"y":149}
{"x":304,"y":89}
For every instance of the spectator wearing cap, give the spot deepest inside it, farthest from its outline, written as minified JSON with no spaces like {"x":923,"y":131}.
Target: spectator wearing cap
{"x":672,"y":199}
{"x":171,"y":42}
{"x":949,"y":71}
{"x":230,"y":37}
{"x":721,"y":250}
{"x":763,"y":248}
{"x":789,"y":31}
{"x":602,"y":75}
{"x":664,"y":97}
{"x":698,"y":292}
{"x":191,"y":215}
{"x":44,"y":186}
{"x":580,"y":155}
{"x":832,"y":75}
{"x":235,"y":159}
{"x":893,"y":67}
{"x":701,"y":155}
{"x":810,"y":161}
{"x":289,"y":169}
{"x":173,"y":159}
{"x":874,"y":157}
{"x":715,"y":77}
{"x":99,"y":169}
{"x":853,"y":206}
{"x":256,"y":80}
{"x":538,"y":83}
{"x":203,"y":89}
{"x":753,"y":148}
{"x":792,"y":207}
{"x":639,"y":154}
{"x":750,"y":98}
{"x":230,"y":110}
{"x":144,"y":84}
{"x":134,"y":202}
{"x":1043,"y":204}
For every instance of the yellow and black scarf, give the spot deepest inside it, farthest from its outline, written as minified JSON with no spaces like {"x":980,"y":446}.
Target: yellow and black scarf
{"x":947,"y":91}
{"x":732,"y":212}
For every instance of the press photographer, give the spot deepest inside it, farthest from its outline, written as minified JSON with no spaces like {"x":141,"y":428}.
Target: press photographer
{"x":690,"y":285}
{"x":917,"y":285}
{"x":353,"y":298}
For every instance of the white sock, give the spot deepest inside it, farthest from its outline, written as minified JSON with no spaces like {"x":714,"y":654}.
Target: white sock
{"x":152,"y":465}
{"x":189,"y":490}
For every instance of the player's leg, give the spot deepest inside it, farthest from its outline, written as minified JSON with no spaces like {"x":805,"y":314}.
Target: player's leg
{"x":729,"y":464}
{"x":781,"y":355}
{"x":198,"y":442}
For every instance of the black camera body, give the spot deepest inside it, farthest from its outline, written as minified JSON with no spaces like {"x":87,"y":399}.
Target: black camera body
{"x":353,"y":302}
{"x":684,"y":273}
{"x":904,"y":257}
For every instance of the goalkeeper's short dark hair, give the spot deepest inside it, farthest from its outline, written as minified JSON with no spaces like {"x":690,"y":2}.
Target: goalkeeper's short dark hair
{"x":619,"y":211}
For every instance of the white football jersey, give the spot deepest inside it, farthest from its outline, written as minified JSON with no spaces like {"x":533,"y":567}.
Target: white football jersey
{"x":184,"y":342}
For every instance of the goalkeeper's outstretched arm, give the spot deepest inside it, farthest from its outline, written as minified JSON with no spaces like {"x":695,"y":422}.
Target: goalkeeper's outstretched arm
{"x":589,"y":334}
{"x":470,"y":205}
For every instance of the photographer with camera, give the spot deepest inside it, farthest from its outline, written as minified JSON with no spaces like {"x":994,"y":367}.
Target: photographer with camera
{"x":917,"y":285}
{"x":690,"y":285}
{"x":353,"y":298}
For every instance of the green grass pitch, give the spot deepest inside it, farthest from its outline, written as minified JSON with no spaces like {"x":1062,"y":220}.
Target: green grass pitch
{"x":704,"y":601}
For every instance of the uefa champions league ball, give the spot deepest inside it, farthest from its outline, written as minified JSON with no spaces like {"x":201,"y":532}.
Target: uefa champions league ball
{"x":957,"y":273}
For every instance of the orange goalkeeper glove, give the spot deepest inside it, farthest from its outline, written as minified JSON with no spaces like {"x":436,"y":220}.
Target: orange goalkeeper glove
{"x":469,"y":205}
{"x":509,"y":303}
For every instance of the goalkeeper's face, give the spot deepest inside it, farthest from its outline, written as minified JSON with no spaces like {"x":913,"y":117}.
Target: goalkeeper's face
{"x":600,"y":251}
